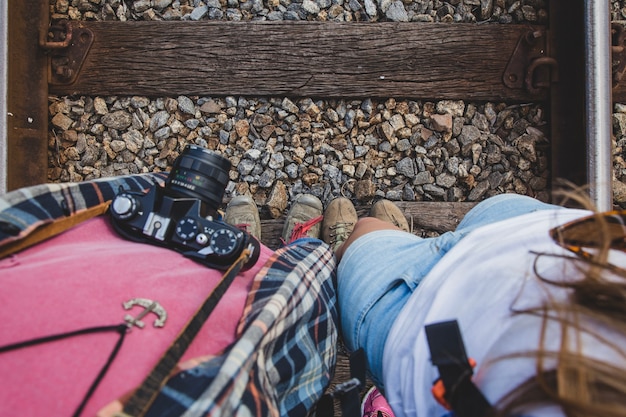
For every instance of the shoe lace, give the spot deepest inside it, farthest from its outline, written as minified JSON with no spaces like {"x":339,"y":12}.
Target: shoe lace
{"x":243,"y":226}
{"x":377,"y":413}
{"x":301,"y":229}
{"x":339,"y":232}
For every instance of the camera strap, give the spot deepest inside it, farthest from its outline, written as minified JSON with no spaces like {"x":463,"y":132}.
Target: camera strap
{"x":52,"y":229}
{"x":447,"y":352}
{"x":147,"y":392}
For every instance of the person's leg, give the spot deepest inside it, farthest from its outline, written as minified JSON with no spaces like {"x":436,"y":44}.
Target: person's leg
{"x":375,"y":266}
{"x":362,"y":227}
{"x":501,"y":207}
{"x":381,"y":266}
{"x":494,"y":209}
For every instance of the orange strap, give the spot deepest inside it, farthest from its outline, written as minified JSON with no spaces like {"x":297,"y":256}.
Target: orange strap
{"x":53,"y":228}
{"x":439,"y":390}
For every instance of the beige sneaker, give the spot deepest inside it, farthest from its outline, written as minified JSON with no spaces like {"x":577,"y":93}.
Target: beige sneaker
{"x":339,"y":220}
{"x":303,"y":219}
{"x":387,"y":211}
{"x":243,"y":213}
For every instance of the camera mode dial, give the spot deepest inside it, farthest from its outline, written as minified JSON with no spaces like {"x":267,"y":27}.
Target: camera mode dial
{"x":125,"y":206}
{"x":224,"y":241}
{"x":187,"y":228}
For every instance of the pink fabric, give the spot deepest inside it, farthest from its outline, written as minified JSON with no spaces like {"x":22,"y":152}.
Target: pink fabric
{"x":80,"y":279}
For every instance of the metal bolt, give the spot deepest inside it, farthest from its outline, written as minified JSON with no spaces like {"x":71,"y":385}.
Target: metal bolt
{"x":64,"y":71}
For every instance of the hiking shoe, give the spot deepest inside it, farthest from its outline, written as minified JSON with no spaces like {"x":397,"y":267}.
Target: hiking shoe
{"x":303,"y":219}
{"x":387,"y":211}
{"x":339,"y":220}
{"x":375,"y":405}
{"x":243,"y":213}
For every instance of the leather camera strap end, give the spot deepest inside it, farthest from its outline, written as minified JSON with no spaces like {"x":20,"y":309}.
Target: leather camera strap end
{"x":52,"y":229}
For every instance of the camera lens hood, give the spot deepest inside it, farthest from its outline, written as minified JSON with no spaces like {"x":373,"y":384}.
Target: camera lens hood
{"x":199,"y":173}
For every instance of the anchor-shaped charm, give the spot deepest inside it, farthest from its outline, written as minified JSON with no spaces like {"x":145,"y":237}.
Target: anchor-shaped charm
{"x":150,"y":307}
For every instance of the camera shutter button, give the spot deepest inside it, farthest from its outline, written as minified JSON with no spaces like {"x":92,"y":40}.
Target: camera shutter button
{"x":125,"y":206}
{"x":202,"y":239}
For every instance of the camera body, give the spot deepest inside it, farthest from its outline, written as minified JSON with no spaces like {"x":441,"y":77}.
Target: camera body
{"x":173,"y":216}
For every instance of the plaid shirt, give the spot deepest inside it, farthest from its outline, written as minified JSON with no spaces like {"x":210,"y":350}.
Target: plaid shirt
{"x":285,"y":353}
{"x":23,"y":210}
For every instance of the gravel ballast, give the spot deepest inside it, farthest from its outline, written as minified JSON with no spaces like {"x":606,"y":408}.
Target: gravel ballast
{"x":399,"y":149}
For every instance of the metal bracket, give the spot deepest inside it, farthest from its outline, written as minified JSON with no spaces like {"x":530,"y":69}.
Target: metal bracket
{"x":67,"y":44}
{"x":618,"y":52}
{"x":528,"y":63}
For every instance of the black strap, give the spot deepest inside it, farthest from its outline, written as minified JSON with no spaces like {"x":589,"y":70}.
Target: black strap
{"x":348,"y":392}
{"x":147,"y":392}
{"x":447,"y":352}
{"x":120,"y":328}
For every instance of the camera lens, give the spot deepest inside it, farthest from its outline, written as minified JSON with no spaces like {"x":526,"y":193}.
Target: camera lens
{"x":199,"y":173}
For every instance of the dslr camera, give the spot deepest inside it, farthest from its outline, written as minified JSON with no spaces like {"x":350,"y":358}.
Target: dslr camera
{"x":182,"y":215}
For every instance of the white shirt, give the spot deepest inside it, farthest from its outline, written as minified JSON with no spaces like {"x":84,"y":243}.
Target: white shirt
{"x":478,"y":283}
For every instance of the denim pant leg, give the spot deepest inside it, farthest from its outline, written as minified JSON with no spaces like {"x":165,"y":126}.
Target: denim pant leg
{"x":501,"y":207}
{"x":381,"y":270}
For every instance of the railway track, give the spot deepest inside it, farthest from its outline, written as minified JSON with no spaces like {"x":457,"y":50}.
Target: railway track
{"x":557,"y":64}
{"x":518,"y":63}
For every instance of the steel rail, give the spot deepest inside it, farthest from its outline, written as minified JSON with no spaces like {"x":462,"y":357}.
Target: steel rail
{"x":598,"y":90}
{"x":4,"y":44}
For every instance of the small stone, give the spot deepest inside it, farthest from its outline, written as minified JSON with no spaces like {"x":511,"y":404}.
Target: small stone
{"x":245,"y":167}
{"x":133,"y":140}
{"x":364,"y":190}
{"x":277,"y":201}
{"x":163,"y":133}
{"x":387,"y":131}
{"x":349,"y":170}
{"x":199,"y":12}
{"x":423,"y":177}
{"x":406,"y":167}
{"x":441,"y":122}
{"x":211,"y":107}
{"x":62,"y":121}
{"x":118,"y":120}
{"x":159,"y":120}
{"x":118,"y":145}
{"x":242,"y":127}
{"x":100,"y":106}
{"x":253,"y":154}
{"x":186,"y":105}
{"x":310,"y":7}
{"x":478,"y":191}
{"x":370,"y":8}
{"x":289,"y":106}
{"x":453,"y":107}
{"x":526,"y":146}
{"x":434,"y":191}
{"x":619,"y":191}
{"x":469,"y":135}
{"x":445,"y":180}
{"x":396,"y":12}
{"x":310,"y":178}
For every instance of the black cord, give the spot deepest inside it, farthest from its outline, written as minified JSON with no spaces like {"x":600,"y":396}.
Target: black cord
{"x":122,"y":329}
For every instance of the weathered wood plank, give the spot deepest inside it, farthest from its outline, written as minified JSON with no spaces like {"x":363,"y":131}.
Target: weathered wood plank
{"x":304,"y":59}
{"x":425,"y":217}
{"x":27,"y":96}
{"x":619,"y":92}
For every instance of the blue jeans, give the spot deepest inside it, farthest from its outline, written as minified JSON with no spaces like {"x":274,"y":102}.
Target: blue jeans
{"x":380,"y":271}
